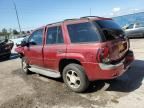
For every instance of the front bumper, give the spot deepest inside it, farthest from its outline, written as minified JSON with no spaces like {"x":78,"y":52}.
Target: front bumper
{"x":96,"y":71}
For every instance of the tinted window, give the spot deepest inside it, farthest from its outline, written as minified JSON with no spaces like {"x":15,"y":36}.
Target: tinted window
{"x":110,"y":29}
{"x":54,"y":35}
{"x":139,"y":25}
{"x":83,"y":32}
{"x":108,"y":24}
{"x":130,"y":26}
{"x":36,"y":37}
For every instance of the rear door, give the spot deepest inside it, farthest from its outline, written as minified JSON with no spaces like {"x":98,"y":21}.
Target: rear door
{"x":54,"y":47}
{"x":33,"y":53}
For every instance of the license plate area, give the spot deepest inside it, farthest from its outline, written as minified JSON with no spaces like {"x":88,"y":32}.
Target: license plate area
{"x":121,"y":47}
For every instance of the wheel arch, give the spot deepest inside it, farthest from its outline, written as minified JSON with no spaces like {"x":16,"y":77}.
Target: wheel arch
{"x":65,"y":62}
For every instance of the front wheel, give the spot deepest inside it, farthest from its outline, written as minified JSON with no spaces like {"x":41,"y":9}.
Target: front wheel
{"x":75,"y":78}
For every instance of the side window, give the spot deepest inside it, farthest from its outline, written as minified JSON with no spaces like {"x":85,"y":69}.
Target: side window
{"x":138,"y":25}
{"x":36,"y":37}
{"x":83,"y":32}
{"x":54,"y":35}
{"x":130,"y":26}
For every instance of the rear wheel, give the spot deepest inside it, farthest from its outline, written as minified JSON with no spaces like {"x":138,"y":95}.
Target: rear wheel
{"x":75,"y":78}
{"x":24,"y":66}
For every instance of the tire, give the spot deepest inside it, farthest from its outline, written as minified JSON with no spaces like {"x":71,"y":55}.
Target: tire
{"x":75,"y":78}
{"x":24,"y":66}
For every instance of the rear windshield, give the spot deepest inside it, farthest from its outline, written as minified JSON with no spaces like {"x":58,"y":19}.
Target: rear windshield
{"x":83,"y":32}
{"x":110,"y":29}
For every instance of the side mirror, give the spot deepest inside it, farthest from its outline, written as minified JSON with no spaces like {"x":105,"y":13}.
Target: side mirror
{"x":24,"y":43}
{"x":32,"y":43}
{"x":125,"y":27}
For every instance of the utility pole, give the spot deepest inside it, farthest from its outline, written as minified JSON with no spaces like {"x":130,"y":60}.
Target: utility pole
{"x":90,"y":11}
{"x":17,"y":15}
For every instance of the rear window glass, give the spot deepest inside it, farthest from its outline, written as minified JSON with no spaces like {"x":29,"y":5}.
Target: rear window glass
{"x":108,"y":24}
{"x":110,"y":29}
{"x":83,"y":32}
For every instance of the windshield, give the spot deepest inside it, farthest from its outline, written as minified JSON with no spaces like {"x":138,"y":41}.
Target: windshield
{"x":110,"y":29}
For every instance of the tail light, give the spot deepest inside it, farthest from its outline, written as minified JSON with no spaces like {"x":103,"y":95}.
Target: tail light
{"x":103,"y":55}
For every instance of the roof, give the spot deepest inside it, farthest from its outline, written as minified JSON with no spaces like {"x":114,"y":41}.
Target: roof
{"x":81,"y":18}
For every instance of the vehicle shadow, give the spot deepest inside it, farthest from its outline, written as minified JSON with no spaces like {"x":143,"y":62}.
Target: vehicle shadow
{"x":128,"y":82}
{"x":13,"y":56}
{"x":132,"y":38}
{"x":131,"y":80}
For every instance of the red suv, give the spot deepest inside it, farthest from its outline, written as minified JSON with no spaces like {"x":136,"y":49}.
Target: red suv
{"x":78,"y":50}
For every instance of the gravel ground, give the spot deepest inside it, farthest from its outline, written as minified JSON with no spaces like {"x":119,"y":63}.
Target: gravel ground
{"x":18,"y":90}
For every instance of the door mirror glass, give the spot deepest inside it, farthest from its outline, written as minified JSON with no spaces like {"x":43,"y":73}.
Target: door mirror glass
{"x":24,"y":43}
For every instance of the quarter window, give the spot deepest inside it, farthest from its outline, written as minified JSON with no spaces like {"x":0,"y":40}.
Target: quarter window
{"x":83,"y":32}
{"x":54,"y":35}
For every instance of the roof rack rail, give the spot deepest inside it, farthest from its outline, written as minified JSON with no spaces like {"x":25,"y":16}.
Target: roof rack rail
{"x":55,"y":23}
{"x":90,"y":17}
{"x":71,"y":19}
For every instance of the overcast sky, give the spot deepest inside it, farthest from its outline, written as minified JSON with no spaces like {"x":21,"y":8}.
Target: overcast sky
{"x":35,"y":13}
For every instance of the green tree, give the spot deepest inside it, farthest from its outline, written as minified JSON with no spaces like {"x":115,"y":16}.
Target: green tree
{"x":23,"y":32}
{"x":28,"y":32}
{"x":15,"y":32}
{"x":4,"y":31}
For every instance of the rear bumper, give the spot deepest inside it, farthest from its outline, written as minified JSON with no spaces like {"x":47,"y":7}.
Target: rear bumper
{"x":96,"y":71}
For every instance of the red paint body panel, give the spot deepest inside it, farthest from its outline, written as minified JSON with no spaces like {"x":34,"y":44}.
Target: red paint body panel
{"x":52,"y":55}
{"x":94,"y":70}
{"x":49,"y":56}
{"x":34,"y":55}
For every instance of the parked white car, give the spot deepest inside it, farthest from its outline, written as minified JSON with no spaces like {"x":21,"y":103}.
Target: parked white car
{"x":135,"y":30}
{"x":16,"y":41}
